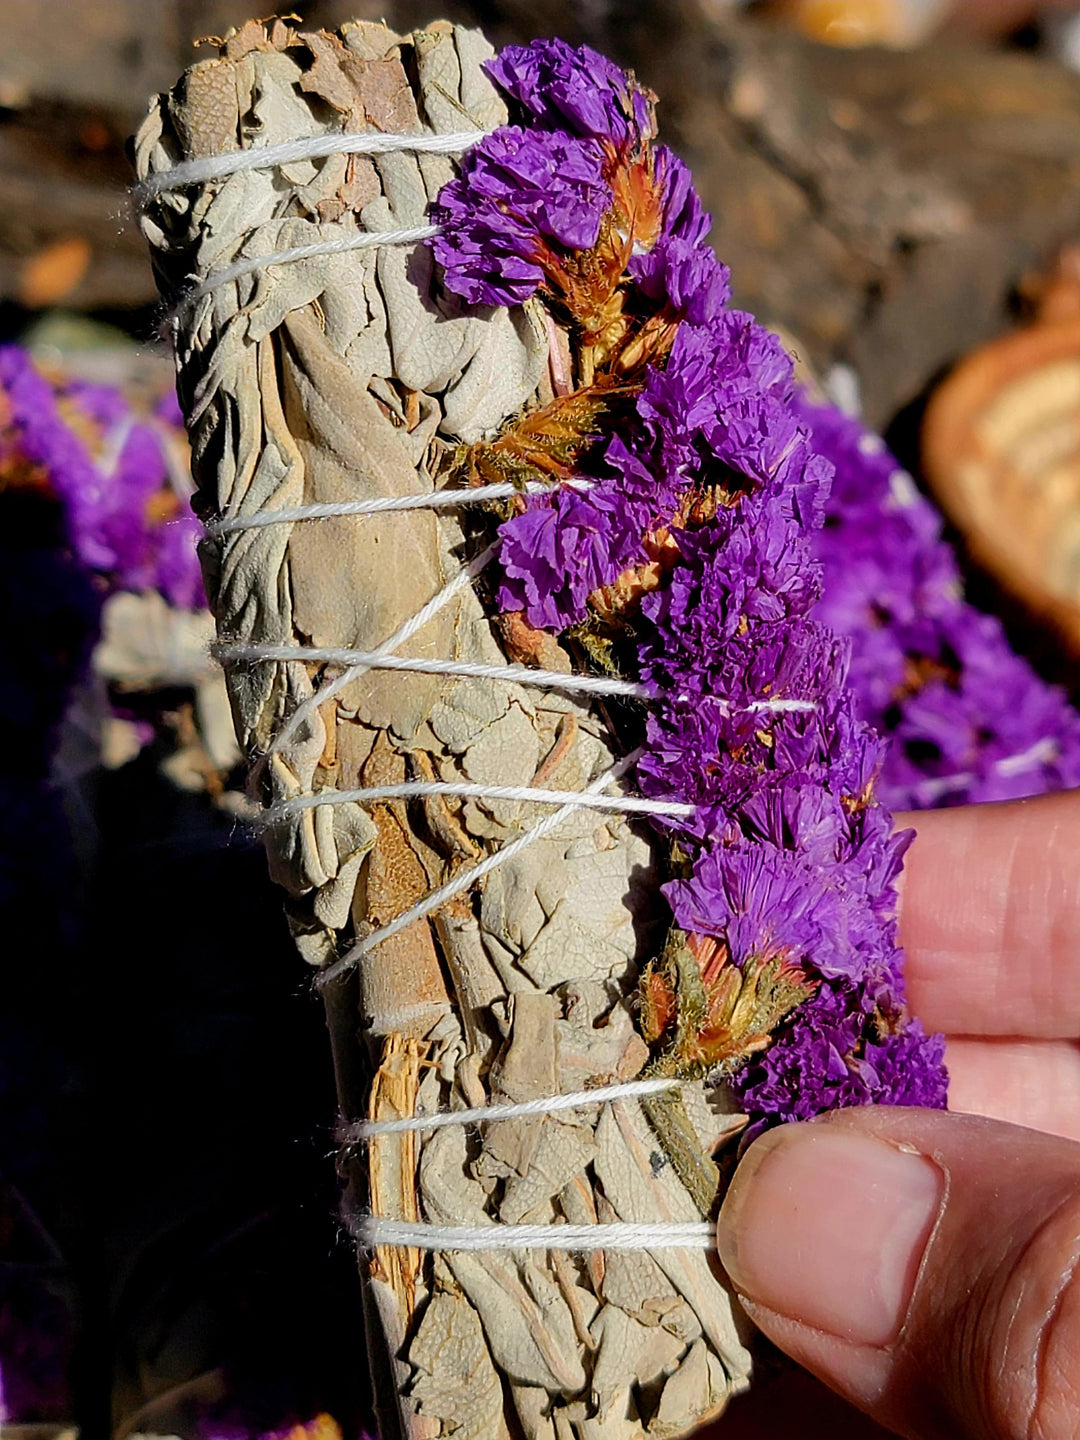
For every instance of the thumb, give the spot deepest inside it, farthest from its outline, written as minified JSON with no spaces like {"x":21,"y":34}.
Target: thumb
{"x":924,"y":1265}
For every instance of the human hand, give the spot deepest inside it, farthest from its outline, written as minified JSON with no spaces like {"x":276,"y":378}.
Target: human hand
{"x":926,"y":1266}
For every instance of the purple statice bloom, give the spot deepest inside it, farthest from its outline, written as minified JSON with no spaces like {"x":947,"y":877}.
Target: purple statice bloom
{"x":577,"y":90}
{"x":969,"y":720}
{"x":686,"y":275}
{"x":786,"y":856}
{"x":111,"y":501}
{"x":790,"y":862}
{"x":699,"y":640}
{"x":703,"y":409}
{"x":907,"y":1067}
{"x":725,"y":384}
{"x":519,"y":193}
{"x":753,"y":719}
{"x":684,"y":218}
{"x":768,"y":901}
{"x":560,"y":550}
{"x":526,"y":195}
{"x":833,"y":1053}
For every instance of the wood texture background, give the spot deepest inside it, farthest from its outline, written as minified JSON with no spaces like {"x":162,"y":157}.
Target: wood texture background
{"x":878,"y":206}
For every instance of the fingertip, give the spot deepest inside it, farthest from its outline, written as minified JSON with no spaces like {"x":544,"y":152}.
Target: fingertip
{"x":828,"y":1228}
{"x":990,"y":917}
{"x":918,"y":1262}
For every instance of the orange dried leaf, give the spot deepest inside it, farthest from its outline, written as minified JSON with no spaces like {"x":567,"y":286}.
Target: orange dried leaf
{"x":545,"y":443}
{"x":657,"y":1005}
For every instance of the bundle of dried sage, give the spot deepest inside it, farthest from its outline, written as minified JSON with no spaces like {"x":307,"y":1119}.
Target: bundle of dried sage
{"x":566,"y":346}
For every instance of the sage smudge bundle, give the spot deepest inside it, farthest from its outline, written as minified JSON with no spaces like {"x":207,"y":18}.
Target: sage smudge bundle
{"x":508,"y":552}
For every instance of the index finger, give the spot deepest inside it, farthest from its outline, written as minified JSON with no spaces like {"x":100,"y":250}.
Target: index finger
{"x":990,"y":918}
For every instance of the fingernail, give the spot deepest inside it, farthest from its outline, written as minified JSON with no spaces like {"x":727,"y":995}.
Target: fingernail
{"x":828,"y":1228}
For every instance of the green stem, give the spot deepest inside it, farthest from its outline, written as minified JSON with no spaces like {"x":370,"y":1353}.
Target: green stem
{"x":678,"y":1139}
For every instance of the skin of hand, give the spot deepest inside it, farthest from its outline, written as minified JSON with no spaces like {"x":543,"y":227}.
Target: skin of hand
{"x":926,"y":1266}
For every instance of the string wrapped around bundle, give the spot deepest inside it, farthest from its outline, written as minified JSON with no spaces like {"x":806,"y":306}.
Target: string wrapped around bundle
{"x":507,"y":515}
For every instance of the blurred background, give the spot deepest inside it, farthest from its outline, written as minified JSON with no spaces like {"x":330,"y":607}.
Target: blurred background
{"x":895,"y":185}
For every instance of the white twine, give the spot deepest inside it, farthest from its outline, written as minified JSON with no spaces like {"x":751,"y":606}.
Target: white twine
{"x":486,"y":1114}
{"x":467,"y":670}
{"x":216,"y":167}
{"x":466,"y":790}
{"x":370,"y":1231}
{"x":389,"y":504}
{"x":756,"y":707}
{"x":464,"y":879}
{"x":461,"y":581}
{"x":316,"y":147}
{"x":361,"y":661}
{"x":418,"y":665}
{"x":1043,"y":752}
{"x":252,"y":264}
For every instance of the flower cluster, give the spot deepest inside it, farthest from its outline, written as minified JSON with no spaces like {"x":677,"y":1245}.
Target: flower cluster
{"x":124,"y":503}
{"x":690,"y":557}
{"x":969,"y":720}
{"x":530,"y":200}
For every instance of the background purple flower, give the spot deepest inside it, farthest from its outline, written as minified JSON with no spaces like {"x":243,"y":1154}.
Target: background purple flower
{"x":110,"y":470}
{"x":969,"y":720}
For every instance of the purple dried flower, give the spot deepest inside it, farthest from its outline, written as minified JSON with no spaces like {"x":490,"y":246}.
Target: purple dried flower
{"x":556,"y":553}
{"x":519,"y":193}
{"x":970,"y":720}
{"x":723,"y":391}
{"x":709,"y":474}
{"x":527,"y":198}
{"x":766,"y":901}
{"x":683,"y":215}
{"x":578,"y":90}
{"x":125,"y":522}
{"x":686,"y":276}
{"x":834,"y":1053}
